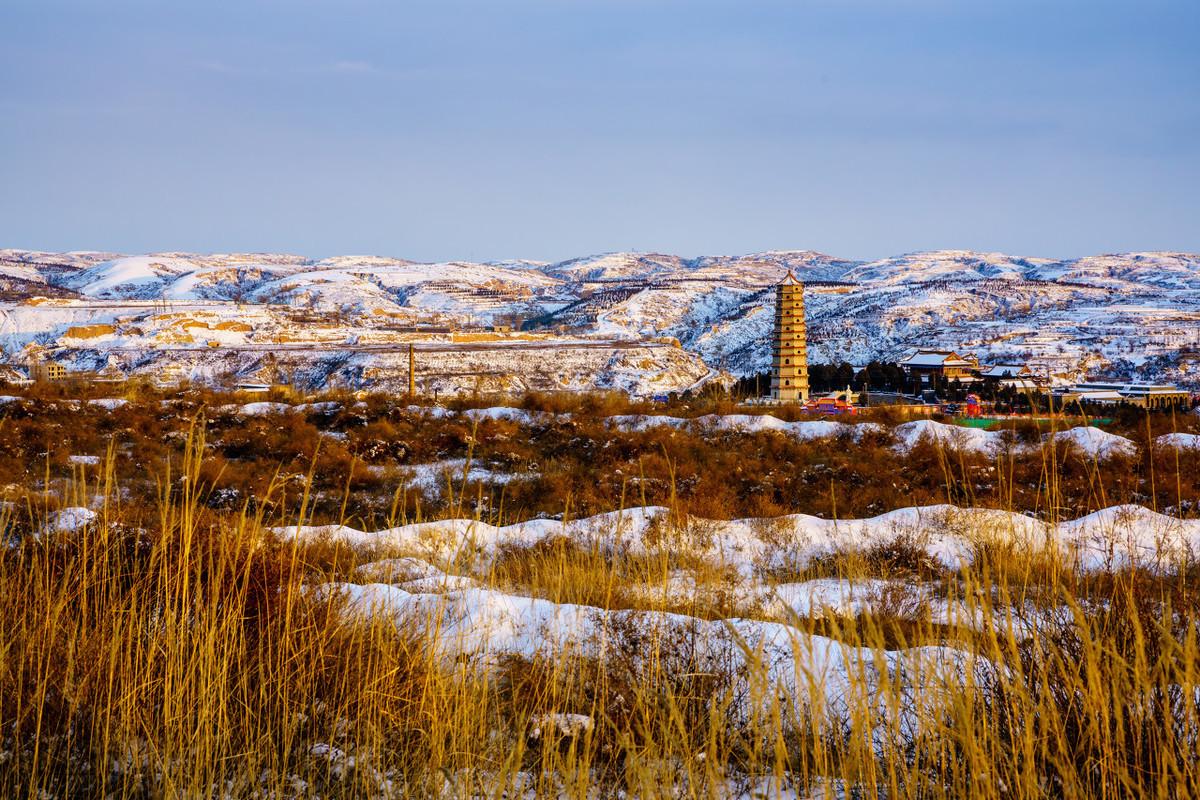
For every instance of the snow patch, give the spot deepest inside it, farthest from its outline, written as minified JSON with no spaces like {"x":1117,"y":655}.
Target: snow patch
{"x":69,"y":520}
{"x":518,"y":415}
{"x":433,"y":478}
{"x":1096,"y":443}
{"x":110,"y":403}
{"x":261,"y":409}
{"x":746,"y":423}
{"x":807,"y":670}
{"x":973,"y":440}
{"x":1179,"y":441}
{"x":1126,"y":535}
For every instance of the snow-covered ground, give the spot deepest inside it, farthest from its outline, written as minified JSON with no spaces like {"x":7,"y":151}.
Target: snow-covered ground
{"x":69,"y":520}
{"x":434,"y":478}
{"x":1089,"y":441}
{"x":518,"y":415}
{"x":110,"y":403}
{"x":818,"y":673}
{"x":1096,"y":443}
{"x":437,"y":579}
{"x":1115,"y":537}
{"x":1181,"y":441}
{"x":974,"y":440}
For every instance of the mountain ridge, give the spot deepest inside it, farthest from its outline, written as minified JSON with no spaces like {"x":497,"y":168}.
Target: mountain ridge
{"x":1135,"y":313}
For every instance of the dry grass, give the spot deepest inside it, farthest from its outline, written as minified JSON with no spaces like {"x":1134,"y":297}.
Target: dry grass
{"x":174,"y":650}
{"x":563,"y":571}
{"x":576,"y":463}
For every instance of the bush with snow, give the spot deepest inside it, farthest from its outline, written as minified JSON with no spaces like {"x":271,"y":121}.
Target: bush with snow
{"x":1095,"y":443}
{"x":973,"y":440}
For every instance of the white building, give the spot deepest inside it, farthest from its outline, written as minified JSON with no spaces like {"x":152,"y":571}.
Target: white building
{"x":1149,"y":395}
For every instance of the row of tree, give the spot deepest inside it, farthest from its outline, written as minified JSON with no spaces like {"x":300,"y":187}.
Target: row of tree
{"x":879,"y":376}
{"x":824,"y":378}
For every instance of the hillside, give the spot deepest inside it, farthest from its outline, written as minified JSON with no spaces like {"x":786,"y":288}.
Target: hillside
{"x":1130,"y":314}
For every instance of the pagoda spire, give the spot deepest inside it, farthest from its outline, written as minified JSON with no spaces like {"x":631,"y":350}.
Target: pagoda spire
{"x":789,"y":351}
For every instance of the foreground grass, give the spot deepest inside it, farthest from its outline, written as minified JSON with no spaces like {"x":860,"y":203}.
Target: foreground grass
{"x":184,"y":655}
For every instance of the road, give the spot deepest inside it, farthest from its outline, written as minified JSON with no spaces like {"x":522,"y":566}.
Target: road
{"x":392,"y":347}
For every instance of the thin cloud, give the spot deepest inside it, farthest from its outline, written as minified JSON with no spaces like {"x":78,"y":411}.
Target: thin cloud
{"x":342,"y":67}
{"x":353,"y":67}
{"x":217,"y":66}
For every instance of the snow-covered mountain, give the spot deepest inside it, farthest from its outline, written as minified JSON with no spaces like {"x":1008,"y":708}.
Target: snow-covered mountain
{"x":1134,"y":313}
{"x":944,"y":265}
{"x":1129,"y":271}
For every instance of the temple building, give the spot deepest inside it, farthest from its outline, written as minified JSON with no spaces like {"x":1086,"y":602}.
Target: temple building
{"x":789,"y":356}
{"x":946,"y":365}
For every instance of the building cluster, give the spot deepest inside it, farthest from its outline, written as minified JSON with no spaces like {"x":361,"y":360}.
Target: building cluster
{"x":926,"y":368}
{"x":1148,"y":395}
{"x":38,"y":367}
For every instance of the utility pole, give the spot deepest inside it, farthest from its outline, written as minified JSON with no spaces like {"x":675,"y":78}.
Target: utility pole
{"x":412,"y":372}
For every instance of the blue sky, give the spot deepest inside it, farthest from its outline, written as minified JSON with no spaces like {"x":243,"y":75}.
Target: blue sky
{"x":440,"y":130}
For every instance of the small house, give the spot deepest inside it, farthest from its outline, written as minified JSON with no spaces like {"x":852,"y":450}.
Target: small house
{"x":1007,"y":371}
{"x":1016,"y":376}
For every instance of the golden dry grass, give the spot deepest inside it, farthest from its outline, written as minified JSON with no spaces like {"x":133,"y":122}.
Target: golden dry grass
{"x":182,"y":654}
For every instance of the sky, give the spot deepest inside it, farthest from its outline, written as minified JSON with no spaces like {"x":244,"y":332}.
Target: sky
{"x":547,"y":129}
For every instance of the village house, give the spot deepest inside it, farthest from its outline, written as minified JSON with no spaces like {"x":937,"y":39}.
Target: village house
{"x":1014,"y":376}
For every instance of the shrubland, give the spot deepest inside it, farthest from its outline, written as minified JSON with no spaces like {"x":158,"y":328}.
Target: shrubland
{"x":361,"y":453}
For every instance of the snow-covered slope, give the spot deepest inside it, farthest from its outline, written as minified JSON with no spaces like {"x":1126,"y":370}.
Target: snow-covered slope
{"x":1121,"y":535}
{"x":139,"y":276}
{"x":1179,"y":441}
{"x":1128,"y":270}
{"x":943,"y":265}
{"x":1135,"y":315}
{"x":974,"y":440}
{"x":616,"y":266}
